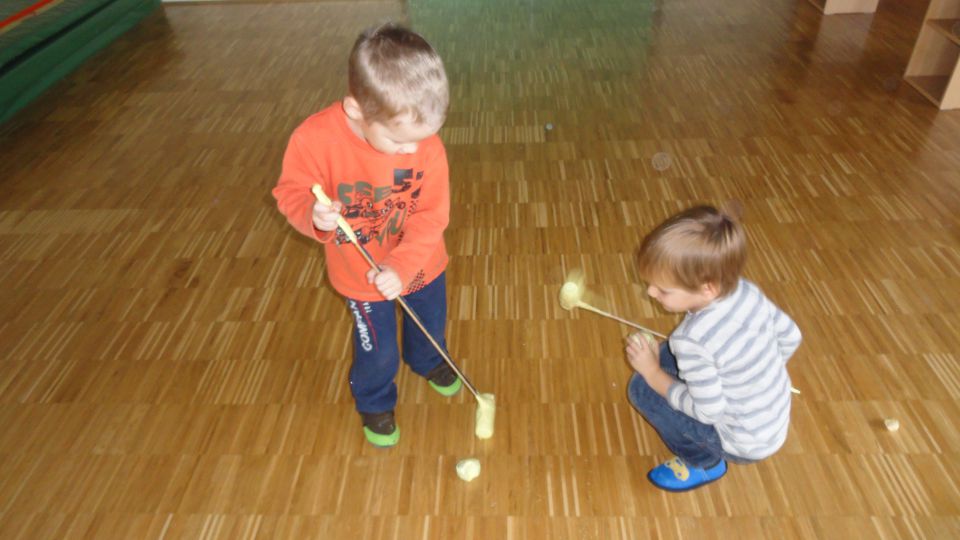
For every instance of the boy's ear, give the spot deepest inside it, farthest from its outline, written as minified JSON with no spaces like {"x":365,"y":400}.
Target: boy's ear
{"x":352,"y":108}
{"x":711,"y":289}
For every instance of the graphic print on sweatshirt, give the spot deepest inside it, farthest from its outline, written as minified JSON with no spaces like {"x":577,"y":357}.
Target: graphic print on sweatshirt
{"x":378,"y":213}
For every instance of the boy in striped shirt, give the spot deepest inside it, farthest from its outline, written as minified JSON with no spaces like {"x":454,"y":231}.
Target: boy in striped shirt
{"x":717,"y":390}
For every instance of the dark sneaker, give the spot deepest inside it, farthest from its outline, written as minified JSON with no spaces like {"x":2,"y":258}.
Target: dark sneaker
{"x":675,"y":475}
{"x":444,"y":380}
{"x":380,"y":429}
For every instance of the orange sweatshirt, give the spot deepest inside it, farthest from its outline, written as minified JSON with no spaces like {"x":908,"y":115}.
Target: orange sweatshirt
{"x":398,"y":205}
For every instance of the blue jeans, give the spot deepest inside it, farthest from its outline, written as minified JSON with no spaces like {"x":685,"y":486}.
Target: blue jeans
{"x":376,"y":357}
{"x":696,"y":443}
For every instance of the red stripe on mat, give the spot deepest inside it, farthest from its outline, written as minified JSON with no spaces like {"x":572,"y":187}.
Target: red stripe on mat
{"x":25,"y":13}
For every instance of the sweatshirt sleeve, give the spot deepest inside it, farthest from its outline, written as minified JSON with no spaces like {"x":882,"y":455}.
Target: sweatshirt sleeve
{"x":700,"y":393}
{"x":423,"y":228}
{"x":788,"y":334}
{"x":292,"y":192}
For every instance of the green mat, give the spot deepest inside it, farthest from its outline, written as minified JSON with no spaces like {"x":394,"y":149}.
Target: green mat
{"x":43,"y":47}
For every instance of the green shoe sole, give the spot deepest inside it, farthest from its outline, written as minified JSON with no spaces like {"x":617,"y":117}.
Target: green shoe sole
{"x":380,"y":440}
{"x":447,"y":390}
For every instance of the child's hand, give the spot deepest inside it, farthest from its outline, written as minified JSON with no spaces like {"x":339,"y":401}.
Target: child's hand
{"x":643,"y":354}
{"x":325,"y":217}
{"x":387,"y":282}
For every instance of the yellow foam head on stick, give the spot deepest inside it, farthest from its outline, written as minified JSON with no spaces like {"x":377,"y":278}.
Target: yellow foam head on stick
{"x":570,"y":295}
{"x":572,"y":291}
{"x":486,"y":413}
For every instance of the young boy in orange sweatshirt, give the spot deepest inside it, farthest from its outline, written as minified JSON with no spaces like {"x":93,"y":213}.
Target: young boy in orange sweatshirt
{"x":378,"y":157}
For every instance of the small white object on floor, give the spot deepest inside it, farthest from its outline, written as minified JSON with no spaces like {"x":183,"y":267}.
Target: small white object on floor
{"x":468,"y":469}
{"x":794,"y":390}
{"x":548,"y":127}
{"x":892,"y":424}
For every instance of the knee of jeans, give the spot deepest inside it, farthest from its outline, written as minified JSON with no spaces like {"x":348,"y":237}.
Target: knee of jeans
{"x":383,"y":363}
{"x":638,"y":389}
{"x":637,"y":381}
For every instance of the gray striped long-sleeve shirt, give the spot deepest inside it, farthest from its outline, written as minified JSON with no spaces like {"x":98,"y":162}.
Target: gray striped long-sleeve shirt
{"x":732,"y":358}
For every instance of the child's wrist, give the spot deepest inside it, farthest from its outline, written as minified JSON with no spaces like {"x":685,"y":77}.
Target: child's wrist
{"x":651,"y":372}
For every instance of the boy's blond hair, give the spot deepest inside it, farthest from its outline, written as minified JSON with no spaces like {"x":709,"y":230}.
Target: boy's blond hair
{"x":394,"y":71}
{"x":697,"y":246}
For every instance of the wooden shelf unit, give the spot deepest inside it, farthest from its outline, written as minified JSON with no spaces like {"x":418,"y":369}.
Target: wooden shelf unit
{"x":948,"y":27}
{"x":934,"y":67}
{"x":831,"y":7}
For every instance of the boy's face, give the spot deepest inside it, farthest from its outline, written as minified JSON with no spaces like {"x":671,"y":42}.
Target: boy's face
{"x":399,"y":135}
{"x":676,"y":299}
{"x":396,"y":136}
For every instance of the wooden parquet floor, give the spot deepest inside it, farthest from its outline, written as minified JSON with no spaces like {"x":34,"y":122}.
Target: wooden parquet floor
{"x":173,"y":363}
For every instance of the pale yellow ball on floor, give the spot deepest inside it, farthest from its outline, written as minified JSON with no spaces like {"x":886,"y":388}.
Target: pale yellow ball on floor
{"x":468,"y":469}
{"x":892,"y":424}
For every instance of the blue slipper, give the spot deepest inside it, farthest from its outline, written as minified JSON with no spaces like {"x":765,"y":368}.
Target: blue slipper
{"x":675,"y":475}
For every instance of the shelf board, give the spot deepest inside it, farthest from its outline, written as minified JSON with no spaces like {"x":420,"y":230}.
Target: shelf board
{"x":838,"y":7}
{"x":948,"y":27}
{"x":931,"y":86}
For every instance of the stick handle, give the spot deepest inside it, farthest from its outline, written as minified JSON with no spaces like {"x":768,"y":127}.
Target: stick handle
{"x":345,"y":227}
{"x":624,"y":321}
{"x":342,"y":223}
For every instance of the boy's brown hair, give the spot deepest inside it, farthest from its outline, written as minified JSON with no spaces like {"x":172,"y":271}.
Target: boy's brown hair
{"x":394,"y":71}
{"x":697,"y":246}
